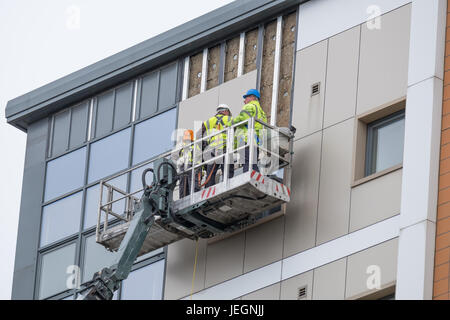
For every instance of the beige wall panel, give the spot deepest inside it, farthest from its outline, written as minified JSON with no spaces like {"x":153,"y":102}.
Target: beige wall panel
{"x":231,"y":92}
{"x":197,"y":109}
{"x":342,"y":76}
{"x":268,"y":293}
{"x":263,"y":244}
{"x":365,"y":266}
{"x":375,"y":200}
{"x":291,"y":286}
{"x":329,"y":281}
{"x":224,"y":259}
{"x":180,"y":268}
{"x":335,"y":178}
{"x":301,"y":212}
{"x":310,"y":69}
{"x":383,"y":70}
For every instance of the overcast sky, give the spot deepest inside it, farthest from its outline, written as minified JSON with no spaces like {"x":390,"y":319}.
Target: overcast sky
{"x":41,"y":41}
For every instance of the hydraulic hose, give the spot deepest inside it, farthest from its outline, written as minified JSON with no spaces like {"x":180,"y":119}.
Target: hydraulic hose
{"x":144,"y":184}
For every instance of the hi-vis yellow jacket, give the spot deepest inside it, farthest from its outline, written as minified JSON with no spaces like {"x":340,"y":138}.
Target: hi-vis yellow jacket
{"x":216,"y":124}
{"x":251,"y":109}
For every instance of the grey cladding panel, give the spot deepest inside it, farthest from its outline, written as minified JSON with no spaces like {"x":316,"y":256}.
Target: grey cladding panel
{"x":149,"y":94}
{"x":104,"y":118}
{"x":61,"y":132}
{"x":123,"y":104}
{"x":168,"y":86}
{"x":78,"y":127}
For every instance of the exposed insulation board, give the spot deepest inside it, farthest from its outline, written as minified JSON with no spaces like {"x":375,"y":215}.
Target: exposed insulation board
{"x":212,"y":80}
{"x":267,"y":67}
{"x":289,"y":32}
{"x":195,"y":74}
{"x":232,"y":58}
{"x":251,"y":50}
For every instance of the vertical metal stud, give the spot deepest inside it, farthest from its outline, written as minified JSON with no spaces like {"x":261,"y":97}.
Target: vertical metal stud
{"x":241,"y":55}
{"x":204,"y":70}
{"x":276,"y":72}
{"x":185,"y":91}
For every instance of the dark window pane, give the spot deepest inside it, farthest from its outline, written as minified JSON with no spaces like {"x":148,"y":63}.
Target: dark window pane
{"x":168,"y":86}
{"x":124,"y":99}
{"x":385,"y":140}
{"x":92,"y":201}
{"x":61,"y":219}
{"x":54,"y":266}
{"x":78,"y":128}
{"x":61,"y":133}
{"x":149,"y":94}
{"x":96,"y":257}
{"x":389,"y":145}
{"x":154,"y":136}
{"x":65,"y":174}
{"x":109,"y":155}
{"x":105,"y":106}
{"x":145,"y":283}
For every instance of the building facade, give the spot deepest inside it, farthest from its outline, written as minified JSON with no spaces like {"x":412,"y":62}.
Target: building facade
{"x":363,"y":82}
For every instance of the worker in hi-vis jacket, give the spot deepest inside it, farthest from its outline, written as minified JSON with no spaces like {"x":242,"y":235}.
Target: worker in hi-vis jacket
{"x":251,"y":108}
{"x":217,"y":144}
{"x":184,"y":160}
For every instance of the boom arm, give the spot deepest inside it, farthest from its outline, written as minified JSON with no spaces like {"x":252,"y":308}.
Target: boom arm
{"x":155,"y":203}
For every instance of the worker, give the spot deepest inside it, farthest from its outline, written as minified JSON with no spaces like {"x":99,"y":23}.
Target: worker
{"x":184,"y":163}
{"x":216,"y":145}
{"x":251,"y":109}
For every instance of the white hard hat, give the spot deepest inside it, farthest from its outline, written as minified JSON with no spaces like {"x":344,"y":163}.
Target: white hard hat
{"x":223,"y":107}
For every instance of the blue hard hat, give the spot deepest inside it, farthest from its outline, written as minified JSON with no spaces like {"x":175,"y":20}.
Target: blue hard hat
{"x":252,"y":92}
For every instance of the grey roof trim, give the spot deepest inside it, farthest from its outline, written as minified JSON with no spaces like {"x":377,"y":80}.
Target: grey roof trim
{"x":166,"y":47}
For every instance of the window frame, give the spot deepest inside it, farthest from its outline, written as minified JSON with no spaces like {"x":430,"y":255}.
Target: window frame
{"x":371,"y":151}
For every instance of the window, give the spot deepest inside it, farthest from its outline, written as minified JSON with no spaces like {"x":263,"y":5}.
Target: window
{"x":109,"y":155}
{"x":92,"y":201}
{"x":61,"y":219}
{"x":96,"y":257}
{"x":54,"y":267}
{"x":65,"y":174}
{"x":378,"y":146}
{"x":144,"y":283}
{"x":385,"y":143}
{"x":154,"y":136}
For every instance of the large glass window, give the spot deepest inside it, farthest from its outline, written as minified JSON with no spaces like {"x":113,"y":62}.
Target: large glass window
{"x":109,"y":155}
{"x":154,"y":136}
{"x":92,"y":201}
{"x":65,"y":174}
{"x":55,"y":272}
{"x":96,"y":257}
{"x":385,"y":138}
{"x":145,"y":283}
{"x":61,"y":219}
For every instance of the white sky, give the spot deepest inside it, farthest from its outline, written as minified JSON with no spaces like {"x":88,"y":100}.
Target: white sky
{"x":41,"y":41}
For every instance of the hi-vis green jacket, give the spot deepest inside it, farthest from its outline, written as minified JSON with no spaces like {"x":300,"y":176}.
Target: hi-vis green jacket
{"x":250,"y":110}
{"x":216,"y":124}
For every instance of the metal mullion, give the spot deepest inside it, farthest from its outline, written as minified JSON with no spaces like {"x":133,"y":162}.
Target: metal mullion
{"x":114,"y":110}
{"x":70,"y":129}
{"x":159,"y":88}
{"x":204,"y":70}
{"x":50,"y":138}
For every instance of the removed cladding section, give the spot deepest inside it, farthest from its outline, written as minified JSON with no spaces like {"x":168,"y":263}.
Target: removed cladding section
{"x":267,"y":68}
{"x":286,"y":69}
{"x":231,"y":59}
{"x":195,"y":74}
{"x":251,"y":50}
{"x":212,"y":79}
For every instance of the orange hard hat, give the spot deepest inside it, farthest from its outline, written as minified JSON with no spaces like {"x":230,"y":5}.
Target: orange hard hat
{"x":188,"y":135}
